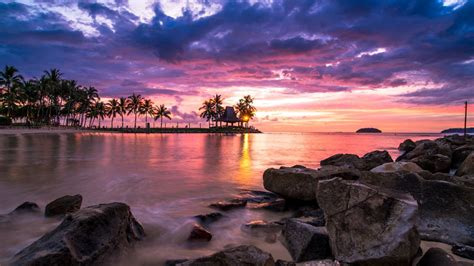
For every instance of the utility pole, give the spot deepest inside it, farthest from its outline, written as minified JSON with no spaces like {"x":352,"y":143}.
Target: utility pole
{"x":465,"y":119}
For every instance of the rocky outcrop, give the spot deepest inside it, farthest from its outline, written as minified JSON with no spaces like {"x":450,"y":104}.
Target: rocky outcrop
{"x":306,"y":242}
{"x":256,"y":227}
{"x":63,"y":205}
{"x":367,"y":225}
{"x":434,"y":156}
{"x":397,"y":167}
{"x":237,"y":256}
{"x":300,"y":183}
{"x":367,"y":162}
{"x":467,"y":167}
{"x":437,"y":257}
{"x":87,"y":237}
{"x":407,"y":146}
{"x":198,"y":233}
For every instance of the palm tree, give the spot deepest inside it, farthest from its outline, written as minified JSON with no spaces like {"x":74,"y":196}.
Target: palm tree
{"x":245,"y":109}
{"x":123,"y":107}
{"x":147,"y":109}
{"x":218,"y":108}
{"x":113,"y":109}
{"x":10,"y":80}
{"x":135,"y":105}
{"x":160,"y":112}
{"x":101,"y":111}
{"x":207,"y":110}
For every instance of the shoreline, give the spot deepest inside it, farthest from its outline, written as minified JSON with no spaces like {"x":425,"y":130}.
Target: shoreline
{"x":43,"y":130}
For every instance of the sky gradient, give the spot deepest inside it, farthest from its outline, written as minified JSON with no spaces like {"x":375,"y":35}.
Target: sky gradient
{"x":327,"y":65}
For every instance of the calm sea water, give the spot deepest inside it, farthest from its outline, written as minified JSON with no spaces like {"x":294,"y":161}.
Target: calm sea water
{"x":166,"y":179}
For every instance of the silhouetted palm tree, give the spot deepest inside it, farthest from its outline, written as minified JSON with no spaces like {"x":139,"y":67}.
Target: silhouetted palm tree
{"x":112,"y":108}
{"x":147,"y":109}
{"x":160,"y":112}
{"x":245,"y":109}
{"x":123,"y":107}
{"x":134,"y":106}
{"x":207,"y":111}
{"x":218,"y":108}
{"x":11,"y":81}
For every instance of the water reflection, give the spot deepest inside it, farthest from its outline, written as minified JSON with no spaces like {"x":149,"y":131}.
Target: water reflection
{"x":165,"y":178}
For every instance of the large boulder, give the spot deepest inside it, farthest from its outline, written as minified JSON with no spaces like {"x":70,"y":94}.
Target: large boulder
{"x":237,"y":256}
{"x":367,"y":162}
{"x":63,"y":205}
{"x":446,"y":209}
{"x":376,"y":158}
{"x":299,"y":183}
{"x":305,"y":242}
{"x":446,"y":212}
{"x":397,"y":167}
{"x":427,"y":147}
{"x":346,"y":160}
{"x":367,"y":225}
{"x":87,"y":237}
{"x":460,"y":154}
{"x":433,"y":162}
{"x":467,"y":167}
{"x":407,"y":146}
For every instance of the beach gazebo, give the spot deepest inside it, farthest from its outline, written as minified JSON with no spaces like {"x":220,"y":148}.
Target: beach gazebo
{"x":229,"y":117}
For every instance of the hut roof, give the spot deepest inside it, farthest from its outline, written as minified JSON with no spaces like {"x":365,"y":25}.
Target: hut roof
{"x":229,"y":115}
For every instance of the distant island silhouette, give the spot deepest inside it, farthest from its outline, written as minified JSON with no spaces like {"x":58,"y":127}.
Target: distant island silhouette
{"x":369,"y":130}
{"x":470,"y":130}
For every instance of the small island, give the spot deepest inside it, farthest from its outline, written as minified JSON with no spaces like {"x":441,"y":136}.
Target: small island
{"x":369,"y":130}
{"x":469,"y":130}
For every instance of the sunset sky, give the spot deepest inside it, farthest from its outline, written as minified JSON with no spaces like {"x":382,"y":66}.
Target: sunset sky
{"x":326,"y":65}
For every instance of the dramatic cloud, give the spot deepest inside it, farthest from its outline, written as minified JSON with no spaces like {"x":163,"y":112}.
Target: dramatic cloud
{"x":417,"y":53}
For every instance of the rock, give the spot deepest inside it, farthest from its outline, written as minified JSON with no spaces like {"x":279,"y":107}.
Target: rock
{"x":316,"y":216}
{"x":63,"y":205}
{"x":427,"y":147}
{"x":257,"y":196}
{"x":433,"y":162}
{"x":460,"y":154}
{"x":367,"y":162}
{"x":368,"y":130}
{"x":439,"y":176}
{"x":463,"y":251}
{"x":376,"y":158}
{"x":467,"y":167}
{"x":407,"y":145}
{"x":26,"y":207}
{"x":306,"y":242}
{"x":368,"y":225}
{"x":446,"y":212}
{"x":437,"y":257}
{"x":198,"y":233}
{"x":257,"y":227}
{"x":277,"y":205}
{"x":345,"y":160}
{"x":300,"y":183}
{"x":284,"y":263}
{"x":237,"y":256}
{"x":397,"y":167}
{"x":229,"y":205}
{"x":87,"y":237}
{"x":209,"y":218}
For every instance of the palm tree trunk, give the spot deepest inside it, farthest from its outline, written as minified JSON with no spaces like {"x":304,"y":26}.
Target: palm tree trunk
{"x":112,"y":123}
{"x":135,"y":125}
{"x":161,"y":123}
{"x":122,"y":120}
